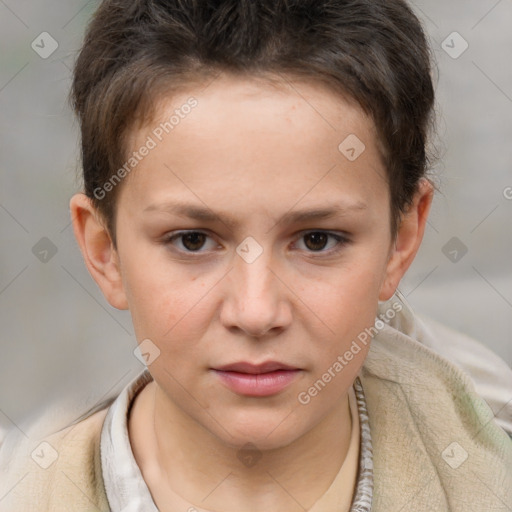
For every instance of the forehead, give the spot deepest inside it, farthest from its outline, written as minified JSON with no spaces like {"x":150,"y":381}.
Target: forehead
{"x":244,"y":137}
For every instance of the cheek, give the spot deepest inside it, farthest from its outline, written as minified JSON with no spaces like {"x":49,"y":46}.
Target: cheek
{"x":347,"y":305}
{"x":164,"y":305}
{"x":348,"y":301}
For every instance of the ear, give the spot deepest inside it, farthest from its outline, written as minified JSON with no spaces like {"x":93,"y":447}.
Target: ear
{"x":98,"y":250}
{"x":408,"y":239}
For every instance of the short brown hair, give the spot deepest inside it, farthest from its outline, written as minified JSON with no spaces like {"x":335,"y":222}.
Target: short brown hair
{"x":374,"y":51}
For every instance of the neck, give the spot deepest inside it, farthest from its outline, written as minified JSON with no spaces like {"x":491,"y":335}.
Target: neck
{"x":179,"y":456}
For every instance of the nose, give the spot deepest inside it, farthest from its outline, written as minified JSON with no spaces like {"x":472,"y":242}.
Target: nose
{"x":256,"y":301}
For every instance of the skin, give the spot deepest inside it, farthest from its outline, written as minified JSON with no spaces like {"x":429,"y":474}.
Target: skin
{"x":254,"y":152}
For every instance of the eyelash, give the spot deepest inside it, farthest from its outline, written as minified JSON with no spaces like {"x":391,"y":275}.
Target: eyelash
{"x":340,"y":239}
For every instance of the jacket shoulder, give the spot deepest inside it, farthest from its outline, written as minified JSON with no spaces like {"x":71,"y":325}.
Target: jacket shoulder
{"x":57,"y":472}
{"x":436,"y":444}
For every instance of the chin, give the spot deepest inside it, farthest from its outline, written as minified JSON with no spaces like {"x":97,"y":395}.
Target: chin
{"x":264,"y":431}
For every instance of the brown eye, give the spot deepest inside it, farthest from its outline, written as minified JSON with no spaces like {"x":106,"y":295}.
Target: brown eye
{"x":193,"y":241}
{"x":322,"y":242}
{"x":316,"y":241}
{"x":189,"y":241}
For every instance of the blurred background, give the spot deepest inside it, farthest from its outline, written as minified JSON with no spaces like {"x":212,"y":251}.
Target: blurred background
{"x":61,"y":340}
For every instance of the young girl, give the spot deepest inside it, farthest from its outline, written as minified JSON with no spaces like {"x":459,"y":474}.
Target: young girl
{"x":255,"y":189}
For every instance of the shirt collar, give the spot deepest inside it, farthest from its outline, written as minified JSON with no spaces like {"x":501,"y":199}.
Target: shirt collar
{"x":126,"y":489}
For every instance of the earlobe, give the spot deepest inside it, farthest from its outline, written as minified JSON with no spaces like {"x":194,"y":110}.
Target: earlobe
{"x":408,"y":239}
{"x":98,"y":251}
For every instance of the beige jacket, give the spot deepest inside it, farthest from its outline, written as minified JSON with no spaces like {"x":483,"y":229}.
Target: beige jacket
{"x":437,"y":446}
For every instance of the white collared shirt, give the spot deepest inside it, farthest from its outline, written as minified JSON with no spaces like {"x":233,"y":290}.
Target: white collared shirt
{"x":126,"y":489}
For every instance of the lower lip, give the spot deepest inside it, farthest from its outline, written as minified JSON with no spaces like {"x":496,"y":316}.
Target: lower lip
{"x":262,"y":384}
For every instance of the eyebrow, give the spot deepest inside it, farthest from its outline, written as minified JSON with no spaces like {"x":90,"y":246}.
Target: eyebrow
{"x":205,"y":214}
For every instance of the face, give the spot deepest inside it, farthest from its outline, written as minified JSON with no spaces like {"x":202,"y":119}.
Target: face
{"x":248,"y":234}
